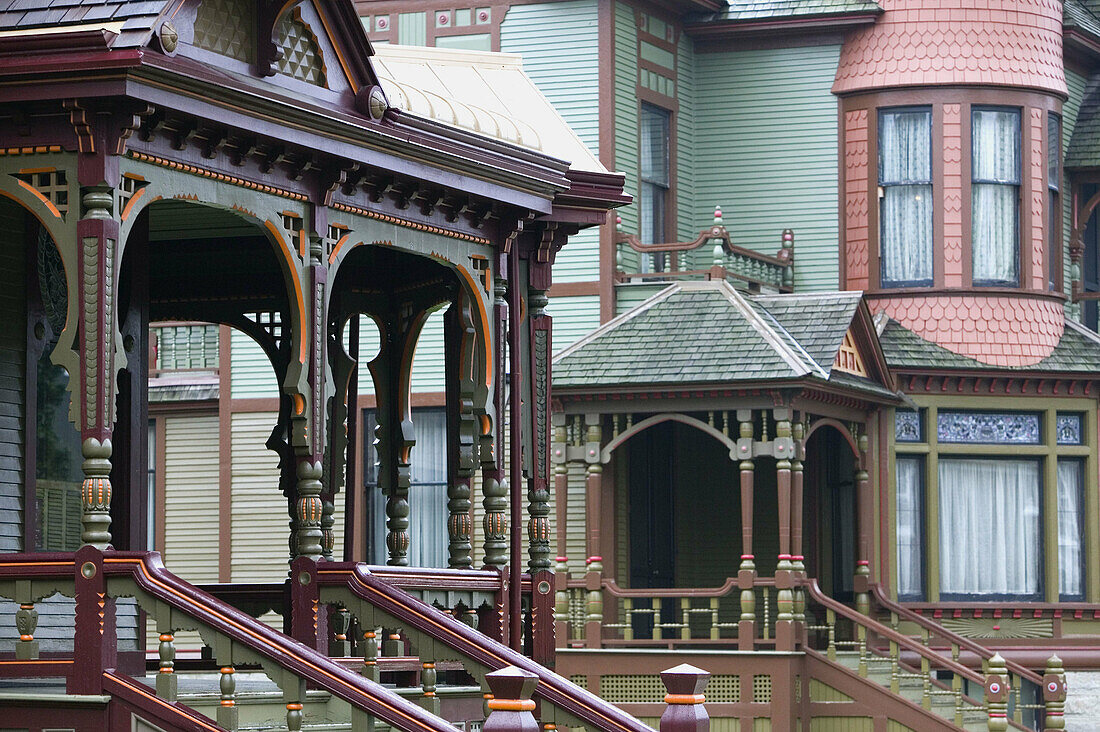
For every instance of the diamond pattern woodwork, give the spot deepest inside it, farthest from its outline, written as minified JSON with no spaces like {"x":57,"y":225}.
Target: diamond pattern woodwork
{"x":301,"y":55}
{"x":222,"y":27}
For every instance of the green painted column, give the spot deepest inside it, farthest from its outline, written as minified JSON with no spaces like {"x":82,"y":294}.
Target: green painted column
{"x":746,"y":572}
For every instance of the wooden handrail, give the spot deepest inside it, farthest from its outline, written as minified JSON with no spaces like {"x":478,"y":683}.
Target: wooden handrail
{"x":961,"y":641}
{"x":614,"y":590}
{"x":594,"y":712}
{"x":148,"y":574}
{"x":904,"y":641}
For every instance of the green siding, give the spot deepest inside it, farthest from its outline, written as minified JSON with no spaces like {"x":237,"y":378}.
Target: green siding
{"x":626,"y":117}
{"x":685,"y":142}
{"x":567,"y":72}
{"x":412,"y":29}
{"x":627,"y":297}
{"x":1070,"y":108}
{"x":767,"y":125}
{"x":428,"y":360}
{"x":13,"y":349}
{"x":250,"y":374}
{"x":573,"y":317}
{"x":472,"y":42}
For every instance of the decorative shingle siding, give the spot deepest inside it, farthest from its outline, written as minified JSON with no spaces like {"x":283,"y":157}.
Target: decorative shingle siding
{"x":952,"y":195}
{"x":567,"y":72}
{"x":766,"y":126}
{"x":858,"y":171}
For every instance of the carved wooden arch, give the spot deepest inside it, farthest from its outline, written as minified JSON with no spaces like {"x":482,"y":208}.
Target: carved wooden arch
{"x":605,"y":453}
{"x":1080,"y":222}
{"x":839,"y":427}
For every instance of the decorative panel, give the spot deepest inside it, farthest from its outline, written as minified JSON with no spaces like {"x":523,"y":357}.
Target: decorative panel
{"x":762,"y":689}
{"x":724,"y":688}
{"x":580,"y":680}
{"x":302,"y":57}
{"x":908,"y":426}
{"x":222,"y":27}
{"x":186,"y":346}
{"x":1009,"y":428}
{"x":822,"y":692}
{"x":1069,"y":429}
{"x":1000,"y":627}
{"x":636,"y":688}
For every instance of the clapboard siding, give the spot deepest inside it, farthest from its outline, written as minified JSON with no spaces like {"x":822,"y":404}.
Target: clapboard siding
{"x":567,"y":73}
{"x":428,"y":369}
{"x":191,"y":497}
{"x":768,"y":121}
{"x":626,"y":118}
{"x":13,"y":351}
{"x":251,"y":375}
{"x":628,"y":297}
{"x":685,"y":140}
{"x":1070,"y":108}
{"x":573,"y":318}
{"x":260,"y":522}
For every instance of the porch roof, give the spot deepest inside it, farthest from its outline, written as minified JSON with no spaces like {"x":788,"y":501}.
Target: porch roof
{"x":128,"y":23}
{"x":1077,"y":352}
{"x":757,"y":10}
{"x":709,"y":333}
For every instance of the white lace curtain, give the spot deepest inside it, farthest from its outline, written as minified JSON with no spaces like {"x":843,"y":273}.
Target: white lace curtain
{"x":427,"y":495}
{"x":995,"y":165}
{"x":1071,"y":562}
{"x":989,"y":527}
{"x":905,"y":174}
{"x":909,"y":526}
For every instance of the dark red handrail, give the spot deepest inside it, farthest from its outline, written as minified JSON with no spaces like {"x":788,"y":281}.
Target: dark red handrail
{"x":553,"y":689}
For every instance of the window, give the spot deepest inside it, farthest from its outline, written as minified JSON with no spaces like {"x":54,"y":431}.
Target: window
{"x":654,"y":177}
{"x":978,"y":495}
{"x":905,"y":196}
{"x":1054,"y":177}
{"x":995,"y":196}
{"x":428,"y":514}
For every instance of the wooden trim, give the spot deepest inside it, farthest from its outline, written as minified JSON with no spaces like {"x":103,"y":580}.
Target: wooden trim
{"x":575,"y":289}
{"x":160,"y":496}
{"x":225,"y":455}
{"x":1092,"y":510}
{"x":606,"y":20}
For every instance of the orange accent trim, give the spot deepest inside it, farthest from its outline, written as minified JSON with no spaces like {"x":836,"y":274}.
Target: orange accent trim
{"x":152,"y":697}
{"x":298,"y":295}
{"x":42,"y":662}
{"x":26,"y":638}
{"x":294,"y":707}
{"x":233,"y":180}
{"x":130,"y":204}
{"x":386,"y":218}
{"x":511,"y":705}
{"x":339,"y":56}
{"x":228,"y":703}
{"x":45,"y":201}
{"x":336,"y":249}
{"x":485,"y":330}
{"x":32,"y":171}
{"x":684,"y":699}
{"x":299,"y":404}
{"x":229,"y":670}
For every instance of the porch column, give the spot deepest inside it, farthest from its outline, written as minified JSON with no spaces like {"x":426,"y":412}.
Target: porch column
{"x":783,"y":449}
{"x":864,"y":517}
{"x":494,"y":484}
{"x":593,"y":577}
{"x":558,"y":456}
{"x":462,"y":429}
{"x":538,"y":494}
{"x":797,"y":563}
{"x":746,"y":573}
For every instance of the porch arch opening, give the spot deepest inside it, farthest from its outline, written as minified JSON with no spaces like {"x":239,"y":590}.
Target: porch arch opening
{"x":829,"y":509}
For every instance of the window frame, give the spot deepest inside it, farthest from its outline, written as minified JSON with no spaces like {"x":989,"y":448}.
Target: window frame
{"x":881,"y":191}
{"x":1055,"y":213}
{"x":1048,"y":452}
{"x":661,"y":187}
{"x":1018,"y":185}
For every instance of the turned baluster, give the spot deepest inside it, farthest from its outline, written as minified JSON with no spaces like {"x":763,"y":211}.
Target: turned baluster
{"x":167,"y":683}
{"x":861,"y":636}
{"x":294,"y":716}
{"x":427,"y":685}
{"x":370,"y":655}
{"x":227,"y":710}
{"x":830,"y":623}
{"x":895,"y":682}
{"x":26,"y":622}
{"x":628,"y":613}
{"x":340,"y":646}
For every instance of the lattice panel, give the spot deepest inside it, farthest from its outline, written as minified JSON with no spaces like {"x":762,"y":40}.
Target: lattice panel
{"x":186,"y":347}
{"x":51,"y":184}
{"x":624,"y":689}
{"x":724,"y":688}
{"x":762,"y":689}
{"x":580,"y":680}
{"x":222,"y":26}
{"x":302,"y":57}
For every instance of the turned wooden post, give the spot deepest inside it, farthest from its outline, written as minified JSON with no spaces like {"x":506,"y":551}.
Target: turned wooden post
{"x":95,"y":645}
{"x":558,"y":455}
{"x":685,"y":711}
{"x":797,"y":563}
{"x":370,"y":655}
{"x":996,"y":694}
{"x":427,"y":685}
{"x":26,"y":623}
{"x":227,"y":709}
{"x":593,"y":577}
{"x":167,"y":683}
{"x":783,"y":449}
{"x":511,"y":705}
{"x":862,"y":581}
{"x":1054,"y":694}
{"x":746,"y":572}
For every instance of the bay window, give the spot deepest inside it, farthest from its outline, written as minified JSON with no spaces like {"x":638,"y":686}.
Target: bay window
{"x":995,"y":196}
{"x":905,"y":196}
{"x":995,"y":499}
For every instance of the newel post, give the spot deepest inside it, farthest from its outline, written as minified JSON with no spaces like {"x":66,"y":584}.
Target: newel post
{"x":95,"y":644}
{"x":511,"y":705}
{"x":685,"y":711}
{"x":996,"y":694}
{"x":1054,"y":694}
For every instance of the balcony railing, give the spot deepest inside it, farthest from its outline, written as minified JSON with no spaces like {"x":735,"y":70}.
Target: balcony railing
{"x":183,"y":347}
{"x":712,"y":255}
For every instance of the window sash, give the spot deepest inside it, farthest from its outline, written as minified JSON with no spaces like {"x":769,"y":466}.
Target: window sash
{"x":1071,"y":530}
{"x":905,"y":204}
{"x":909,"y":473}
{"x":995,"y":196}
{"x":990,"y":528}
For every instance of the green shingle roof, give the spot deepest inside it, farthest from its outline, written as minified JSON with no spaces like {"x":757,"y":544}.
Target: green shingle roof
{"x":751,"y":10}
{"x":1077,"y":352}
{"x":1084,"y":15}
{"x":1084,"y":145}
{"x":709,"y":333}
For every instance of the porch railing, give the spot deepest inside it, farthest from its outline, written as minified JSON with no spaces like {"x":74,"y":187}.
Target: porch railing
{"x":711,"y":255}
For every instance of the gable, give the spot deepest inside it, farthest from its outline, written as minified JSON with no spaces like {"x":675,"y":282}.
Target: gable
{"x":848,"y":359}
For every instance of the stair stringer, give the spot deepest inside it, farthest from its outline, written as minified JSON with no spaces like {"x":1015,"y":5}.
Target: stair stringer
{"x":866,"y":693}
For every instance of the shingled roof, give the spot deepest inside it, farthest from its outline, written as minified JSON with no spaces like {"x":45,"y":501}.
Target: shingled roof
{"x":707,"y":332}
{"x":131,"y":22}
{"x":1084,"y":145}
{"x":1077,"y":352}
{"x":1082,"y":15}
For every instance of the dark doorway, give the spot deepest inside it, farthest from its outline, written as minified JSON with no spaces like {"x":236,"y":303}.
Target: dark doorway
{"x":829,"y":514}
{"x":652,"y":510}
